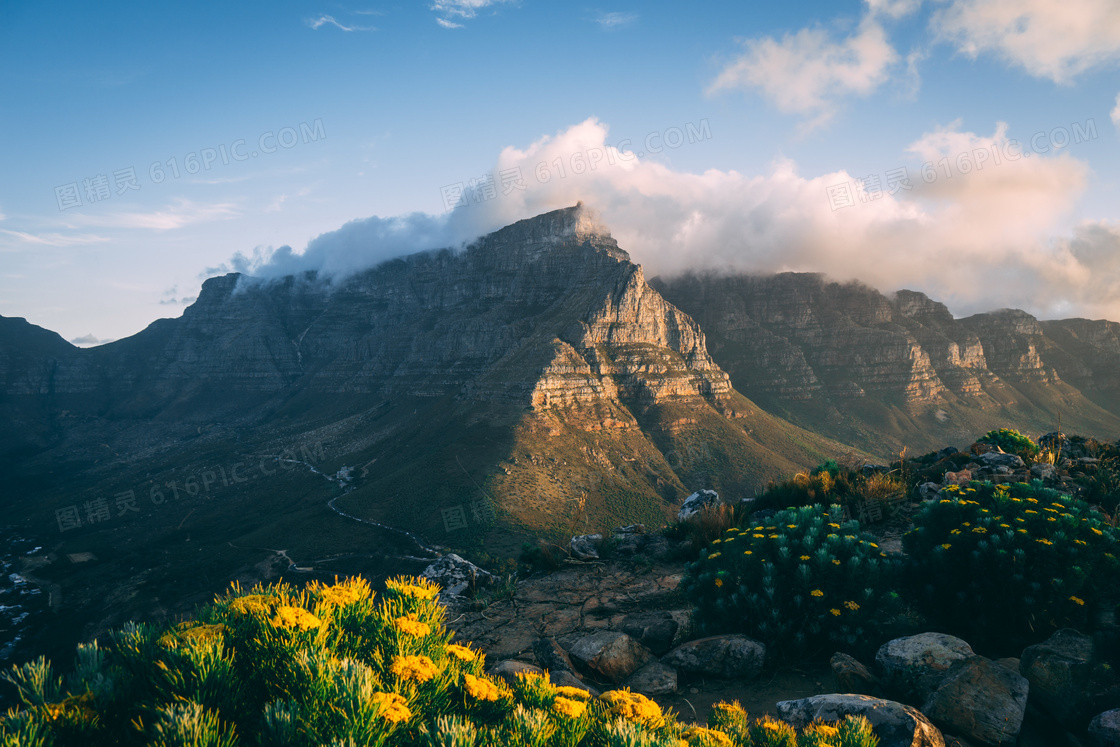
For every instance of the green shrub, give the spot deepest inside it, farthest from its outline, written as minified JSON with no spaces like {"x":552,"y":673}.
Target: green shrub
{"x":1009,"y":564}
{"x":802,"y":580}
{"x":330,"y":666}
{"x":1011,"y":441}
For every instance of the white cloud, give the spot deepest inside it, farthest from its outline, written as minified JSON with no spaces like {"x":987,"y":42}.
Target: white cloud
{"x":615,"y":19}
{"x":55,"y":239}
{"x":1115,"y":113}
{"x":994,"y":237}
{"x":809,"y":72}
{"x":893,"y":8}
{"x":177,"y":215}
{"x":1055,"y":40}
{"x":461,"y":9}
{"x":323,"y":20}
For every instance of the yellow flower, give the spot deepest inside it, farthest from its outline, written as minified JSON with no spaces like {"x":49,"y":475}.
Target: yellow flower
{"x":700,"y":735}
{"x":716,"y":541}
{"x":804,"y":557}
{"x":1044,"y":541}
{"x":816,"y":593}
{"x":1028,"y":511}
{"x":979,"y":530}
{"x":572,"y":693}
{"x":632,"y":706}
{"x":462,"y":653}
{"x":411,"y":626}
{"x":835,"y":562}
{"x":946,"y":546}
{"x":852,"y":606}
{"x":713,"y":556}
{"x":1077,"y":601}
{"x":569,"y":708}
{"x":392,"y":707}
{"x":295,"y":618}
{"x":791,"y":526}
{"x":481,"y":688}
{"x":824,"y":731}
{"x":747,"y":552}
{"x":1021,"y":531}
{"x":345,"y":592}
{"x":719,"y":582}
{"x":253,"y":604}
{"x":1096,"y":531}
{"x":835,"y":612}
{"x":414,"y":668}
{"x":416,"y":588}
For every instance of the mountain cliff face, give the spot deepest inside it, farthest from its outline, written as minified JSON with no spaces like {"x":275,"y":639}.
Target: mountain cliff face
{"x":884,"y":372}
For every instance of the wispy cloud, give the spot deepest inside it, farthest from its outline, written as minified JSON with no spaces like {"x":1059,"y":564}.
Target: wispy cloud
{"x":325,"y":20}
{"x":809,"y":73}
{"x":1115,"y":115}
{"x":88,"y":340}
{"x":181,"y":213}
{"x":615,"y":19}
{"x":55,"y":239}
{"x":446,"y":10}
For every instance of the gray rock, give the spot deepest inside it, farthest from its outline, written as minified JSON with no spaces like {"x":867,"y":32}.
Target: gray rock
{"x":854,"y":677}
{"x":510,"y":668}
{"x":456,"y":575}
{"x":655,"y":630}
{"x":563,"y":678}
{"x":1043,"y":471}
{"x":654,"y":678}
{"x":1104,"y":729}
{"x":929,"y":490}
{"x":609,"y":653}
{"x":552,"y":656}
{"x":586,"y":546}
{"x":895,"y":724}
{"x":697,"y":501}
{"x":731,"y":656}
{"x":1058,"y":670}
{"x":1001,"y":459}
{"x":981,"y":700}
{"x":1010,"y":662}
{"x":916,"y":665}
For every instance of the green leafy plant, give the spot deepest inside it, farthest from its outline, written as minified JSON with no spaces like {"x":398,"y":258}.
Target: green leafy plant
{"x":1011,"y":441}
{"x":1009,"y":564}
{"x":803,"y":579}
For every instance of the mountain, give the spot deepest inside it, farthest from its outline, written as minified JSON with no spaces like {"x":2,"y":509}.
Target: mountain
{"x":882,"y":372}
{"x":532,"y":384}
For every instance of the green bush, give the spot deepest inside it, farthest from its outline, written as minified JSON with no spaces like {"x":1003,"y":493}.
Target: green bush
{"x":1011,"y":441}
{"x":1009,"y":564}
{"x":330,"y":666}
{"x":802,"y":580}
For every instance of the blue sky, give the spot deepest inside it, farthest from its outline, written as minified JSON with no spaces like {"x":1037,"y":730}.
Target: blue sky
{"x":388,"y":109}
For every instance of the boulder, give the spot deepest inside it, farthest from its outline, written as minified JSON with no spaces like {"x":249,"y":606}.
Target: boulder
{"x":457,"y":575}
{"x":980,"y":700}
{"x":510,"y":668}
{"x":895,"y":724}
{"x":634,"y":539}
{"x":697,"y":501}
{"x":955,"y":742}
{"x":562,"y":678}
{"x":1010,"y":662}
{"x":654,"y":678}
{"x":552,"y":656}
{"x":655,"y":630}
{"x":929,"y":490}
{"x":914,"y":666}
{"x":1104,"y":729}
{"x":1001,"y":459}
{"x":1043,"y":471}
{"x":586,"y":546}
{"x":730,"y":656}
{"x":1059,"y":670}
{"x":854,"y":677}
{"x":609,"y":653}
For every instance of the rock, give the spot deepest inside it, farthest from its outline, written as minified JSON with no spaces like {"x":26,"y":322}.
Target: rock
{"x":1043,"y":471}
{"x":563,"y":678}
{"x":655,"y":630}
{"x":552,"y":656}
{"x":634,"y":539}
{"x":456,"y":575}
{"x":586,"y":546}
{"x":916,"y":665}
{"x":955,"y":742}
{"x":854,"y":677}
{"x":1000,"y":459}
{"x":654,"y":678}
{"x":510,"y":668}
{"x":1010,"y":662}
{"x":609,"y":653}
{"x":895,"y":724}
{"x":697,"y":501}
{"x":945,"y":453}
{"x":731,"y":656}
{"x":929,"y":490}
{"x":980,"y":700}
{"x":958,"y":478}
{"x":1104,"y":729}
{"x":1058,"y":670}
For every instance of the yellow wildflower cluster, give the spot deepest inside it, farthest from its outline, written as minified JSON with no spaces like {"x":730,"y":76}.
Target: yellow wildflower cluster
{"x":392,"y":707}
{"x":413,"y":668}
{"x":816,"y":593}
{"x":569,"y":708}
{"x":344,"y":593}
{"x":632,"y":706}
{"x":852,"y":606}
{"x":462,"y":653}
{"x":481,"y":688}
{"x":572,"y":693}
{"x":409,"y":625}
{"x":192,"y":633}
{"x":419,"y":588}
{"x":253,"y":604}
{"x":698,"y":735}
{"x":295,"y":618}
